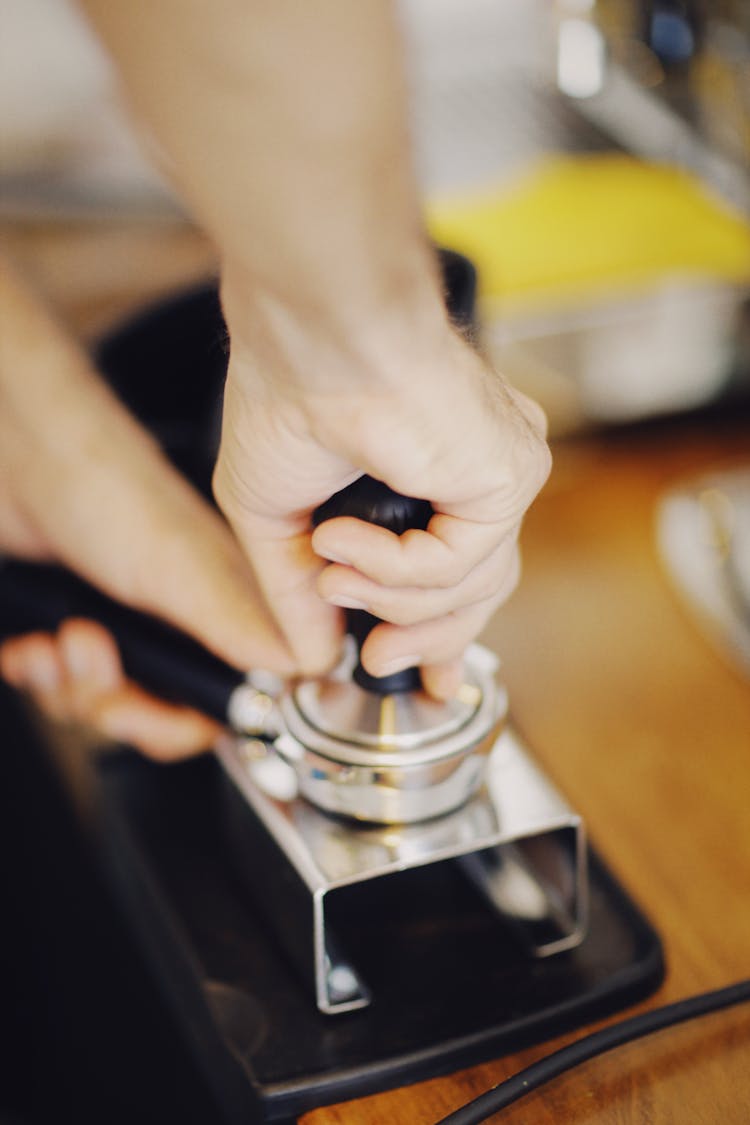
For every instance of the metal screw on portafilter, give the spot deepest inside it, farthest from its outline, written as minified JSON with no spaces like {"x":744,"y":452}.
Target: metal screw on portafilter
{"x":373,"y":501}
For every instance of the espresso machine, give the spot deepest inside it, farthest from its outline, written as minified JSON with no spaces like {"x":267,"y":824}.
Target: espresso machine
{"x":363,"y":886}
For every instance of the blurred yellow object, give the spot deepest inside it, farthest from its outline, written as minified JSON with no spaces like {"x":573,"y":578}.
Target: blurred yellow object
{"x":599,"y":225}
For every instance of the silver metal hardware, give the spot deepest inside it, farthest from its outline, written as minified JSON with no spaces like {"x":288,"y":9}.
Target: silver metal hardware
{"x":390,"y":759}
{"x":412,"y":782}
{"x":252,"y":711}
{"x":516,"y":838}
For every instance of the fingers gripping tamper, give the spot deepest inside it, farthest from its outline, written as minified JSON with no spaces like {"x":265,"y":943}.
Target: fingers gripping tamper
{"x":352,"y":778}
{"x":381,"y":750}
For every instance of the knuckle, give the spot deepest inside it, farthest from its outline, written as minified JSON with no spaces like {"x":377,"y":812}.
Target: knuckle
{"x":535,"y":414}
{"x":536,"y":464}
{"x":543,"y":462}
{"x":407,"y":561}
{"x":516,"y":489}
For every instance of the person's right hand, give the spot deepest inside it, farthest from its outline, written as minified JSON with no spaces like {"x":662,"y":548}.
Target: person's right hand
{"x":433,"y":422}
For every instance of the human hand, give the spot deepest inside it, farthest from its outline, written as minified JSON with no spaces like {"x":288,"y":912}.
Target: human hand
{"x":302,"y":421}
{"x":76,"y":675}
{"x":83,"y":484}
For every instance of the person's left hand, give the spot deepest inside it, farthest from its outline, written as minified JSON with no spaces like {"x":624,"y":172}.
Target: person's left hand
{"x":76,"y":674}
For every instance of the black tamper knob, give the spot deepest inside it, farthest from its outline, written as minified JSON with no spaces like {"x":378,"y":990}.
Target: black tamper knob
{"x":372,"y":500}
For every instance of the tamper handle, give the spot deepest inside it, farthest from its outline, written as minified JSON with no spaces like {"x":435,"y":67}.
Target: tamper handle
{"x":372,"y":500}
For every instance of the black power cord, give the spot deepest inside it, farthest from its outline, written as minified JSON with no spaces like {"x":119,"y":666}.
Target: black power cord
{"x":536,"y":1075}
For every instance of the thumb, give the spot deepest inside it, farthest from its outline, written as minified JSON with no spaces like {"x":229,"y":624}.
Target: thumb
{"x":116,"y":511}
{"x":88,"y":486}
{"x":287,"y":570}
{"x":191,"y":570}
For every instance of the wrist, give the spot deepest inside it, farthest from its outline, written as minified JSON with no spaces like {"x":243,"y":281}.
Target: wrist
{"x":330,"y":337}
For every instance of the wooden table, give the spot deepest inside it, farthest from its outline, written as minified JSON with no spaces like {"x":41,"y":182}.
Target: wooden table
{"x":630,"y":710}
{"x":647,"y":729}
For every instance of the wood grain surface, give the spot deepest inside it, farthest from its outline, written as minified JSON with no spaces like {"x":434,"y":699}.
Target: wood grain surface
{"x":647,"y":729}
{"x":638,"y":719}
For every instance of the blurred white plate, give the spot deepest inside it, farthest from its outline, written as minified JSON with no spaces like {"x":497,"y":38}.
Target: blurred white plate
{"x":703,"y":533}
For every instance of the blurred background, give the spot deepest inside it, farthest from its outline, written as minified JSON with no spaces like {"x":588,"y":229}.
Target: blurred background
{"x":590,"y":156}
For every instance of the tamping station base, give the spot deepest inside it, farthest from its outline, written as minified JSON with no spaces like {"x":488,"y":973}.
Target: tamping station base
{"x":516,"y":840}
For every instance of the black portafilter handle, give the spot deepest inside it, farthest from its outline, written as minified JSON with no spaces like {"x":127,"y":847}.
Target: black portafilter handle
{"x":372,"y":500}
{"x":163,"y":659}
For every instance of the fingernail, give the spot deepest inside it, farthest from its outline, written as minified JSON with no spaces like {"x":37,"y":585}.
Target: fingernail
{"x":397,"y":665}
{"x":344,"y":602}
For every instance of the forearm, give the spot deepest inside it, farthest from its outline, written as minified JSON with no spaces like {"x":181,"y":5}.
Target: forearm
{"x":284,"y":127}
{"x":48,"y":408}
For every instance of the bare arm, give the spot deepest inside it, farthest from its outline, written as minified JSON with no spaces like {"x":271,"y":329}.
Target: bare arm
{"x":283,"y":124}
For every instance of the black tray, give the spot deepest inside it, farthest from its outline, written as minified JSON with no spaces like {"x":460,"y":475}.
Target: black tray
{"x":451,"y":988}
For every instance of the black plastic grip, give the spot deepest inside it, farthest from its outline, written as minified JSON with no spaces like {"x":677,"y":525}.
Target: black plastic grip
{"x":160,"y":657}
{"x":372,"y":500}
